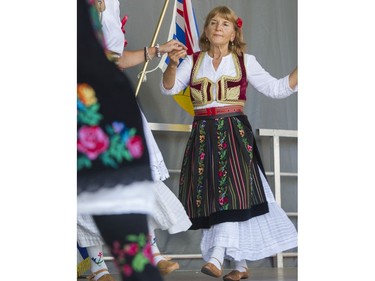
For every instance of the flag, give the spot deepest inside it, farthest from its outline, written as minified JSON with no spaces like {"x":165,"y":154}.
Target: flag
{"x":183,"y":28}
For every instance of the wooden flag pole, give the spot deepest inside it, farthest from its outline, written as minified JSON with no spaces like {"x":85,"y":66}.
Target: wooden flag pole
{"x":152,"y":44}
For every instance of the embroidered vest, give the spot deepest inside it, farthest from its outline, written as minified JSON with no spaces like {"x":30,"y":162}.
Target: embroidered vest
{"x":231,"y":90}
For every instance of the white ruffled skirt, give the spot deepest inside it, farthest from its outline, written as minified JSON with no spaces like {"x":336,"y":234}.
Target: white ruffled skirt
{"x":168,"y":213}
{"x":254,"y":239}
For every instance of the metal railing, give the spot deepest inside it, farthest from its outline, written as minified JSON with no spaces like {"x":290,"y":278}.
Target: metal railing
{"x":277,"y":174}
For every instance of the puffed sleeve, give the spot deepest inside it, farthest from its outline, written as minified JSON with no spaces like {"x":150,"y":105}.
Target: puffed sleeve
{"x":182,"y":77}
{"x":264,"y":82}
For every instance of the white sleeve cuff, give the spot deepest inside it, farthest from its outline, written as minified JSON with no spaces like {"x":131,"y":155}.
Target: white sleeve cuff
{"x":168,"y":92}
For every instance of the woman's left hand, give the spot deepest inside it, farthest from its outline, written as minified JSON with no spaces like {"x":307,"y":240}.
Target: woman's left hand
{"x":175,"y":56}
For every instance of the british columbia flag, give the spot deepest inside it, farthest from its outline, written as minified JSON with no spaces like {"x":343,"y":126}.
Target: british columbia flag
{"x":185,"y":29}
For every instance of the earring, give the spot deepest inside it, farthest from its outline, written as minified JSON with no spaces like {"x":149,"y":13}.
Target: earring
{"x":232,"y":43}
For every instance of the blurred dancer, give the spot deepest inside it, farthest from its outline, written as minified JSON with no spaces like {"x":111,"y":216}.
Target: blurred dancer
{"x":168,"y":213}
{"x":114,"y":181}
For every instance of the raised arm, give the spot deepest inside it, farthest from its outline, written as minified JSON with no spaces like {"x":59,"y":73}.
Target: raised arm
{"x":169,"y":75}
{"x":132,"y":58}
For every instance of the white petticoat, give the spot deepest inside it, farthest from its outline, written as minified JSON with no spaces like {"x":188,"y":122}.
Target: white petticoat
{"x":168,"y":214}
{"x":254,"y":239}
{"x":87,"y":233}
{"x":158,"y":169}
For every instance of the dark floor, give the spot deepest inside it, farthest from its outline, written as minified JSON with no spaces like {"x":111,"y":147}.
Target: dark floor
{"x":256,"y":274}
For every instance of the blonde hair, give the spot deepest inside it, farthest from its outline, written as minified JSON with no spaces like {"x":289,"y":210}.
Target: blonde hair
{"x":239,"y":45}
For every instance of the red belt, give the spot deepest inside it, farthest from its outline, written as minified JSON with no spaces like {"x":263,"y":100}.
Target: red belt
{"x":218,"y":110}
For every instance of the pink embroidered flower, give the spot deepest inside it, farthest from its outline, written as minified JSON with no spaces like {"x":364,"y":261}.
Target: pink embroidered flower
{"x":239,"y":22}
{"x":92,"y":141}
{"x":131,"y":249}
{"x":135,"y":146}
{"x":148,"y":253}
{"x":127,"y":270}
{"x":249,"y":148}
{"x":221,"y":201}
{"x":202,"y":156}
{"x":220,"y":174}
{"x":225,"y":145}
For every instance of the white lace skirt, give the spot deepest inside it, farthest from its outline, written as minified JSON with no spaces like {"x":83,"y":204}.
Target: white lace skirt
{"x":254,"y":239}
{"x":158,"y":169}
{"x":88,"y":234}
{"x":168,"y":213}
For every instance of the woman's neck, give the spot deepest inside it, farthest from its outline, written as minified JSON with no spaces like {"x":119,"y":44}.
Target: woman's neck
{"x":218,"y":52}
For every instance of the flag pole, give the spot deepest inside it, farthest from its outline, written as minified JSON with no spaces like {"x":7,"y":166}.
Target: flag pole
{"x":152,"y":44}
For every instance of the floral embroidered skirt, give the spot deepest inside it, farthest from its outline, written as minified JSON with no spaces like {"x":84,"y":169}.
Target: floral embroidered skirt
{"x":220,"y":180}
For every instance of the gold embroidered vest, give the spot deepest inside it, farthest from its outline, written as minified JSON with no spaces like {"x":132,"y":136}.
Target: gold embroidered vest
{"x":230,"y":90}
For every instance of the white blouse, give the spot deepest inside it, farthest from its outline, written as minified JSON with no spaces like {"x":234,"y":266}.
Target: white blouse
{"x":255,"y":74}
{"x":111,"y":25}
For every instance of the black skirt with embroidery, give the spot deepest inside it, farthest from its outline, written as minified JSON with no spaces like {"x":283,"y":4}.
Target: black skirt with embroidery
{"x":220,"y":179}
{"x":111,"y":146}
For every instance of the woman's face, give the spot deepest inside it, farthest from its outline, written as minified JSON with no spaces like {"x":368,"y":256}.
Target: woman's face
{"x":220,"y":31}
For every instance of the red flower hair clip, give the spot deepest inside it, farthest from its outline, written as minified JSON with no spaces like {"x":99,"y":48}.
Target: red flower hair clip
{"x":239,"y":22}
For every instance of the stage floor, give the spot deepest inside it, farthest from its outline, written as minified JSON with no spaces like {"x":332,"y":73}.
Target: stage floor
{"x":256,"y":274}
